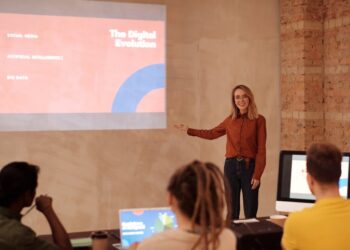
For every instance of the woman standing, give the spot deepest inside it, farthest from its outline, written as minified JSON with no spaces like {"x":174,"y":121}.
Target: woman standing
{"x":245,"y":155}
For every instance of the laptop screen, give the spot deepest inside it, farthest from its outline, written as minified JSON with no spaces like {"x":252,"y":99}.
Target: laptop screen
{"x":139,"y":223}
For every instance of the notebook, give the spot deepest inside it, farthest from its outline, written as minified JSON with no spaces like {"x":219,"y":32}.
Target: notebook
{"x":139,"y":223}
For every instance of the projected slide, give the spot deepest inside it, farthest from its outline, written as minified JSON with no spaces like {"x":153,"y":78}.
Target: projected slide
{"x":85,"y":70}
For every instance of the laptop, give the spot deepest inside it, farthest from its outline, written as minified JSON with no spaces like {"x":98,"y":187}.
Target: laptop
{"x":136,"y":224}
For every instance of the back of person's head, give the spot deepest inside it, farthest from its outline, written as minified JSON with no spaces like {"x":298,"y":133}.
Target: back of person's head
{"x":324,"y":162}
{"x":201,"y":193}
{"x":16,"y":178}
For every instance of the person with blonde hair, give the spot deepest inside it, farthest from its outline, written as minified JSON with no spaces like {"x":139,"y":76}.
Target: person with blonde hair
{"x":196,"y":194}
{"x":245,"y":155}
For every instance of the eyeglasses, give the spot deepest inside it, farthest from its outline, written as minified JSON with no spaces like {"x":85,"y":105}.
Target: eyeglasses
{"x":241,"y":97}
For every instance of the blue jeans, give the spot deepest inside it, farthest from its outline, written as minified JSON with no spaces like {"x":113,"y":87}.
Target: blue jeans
{"x":239,"y":177}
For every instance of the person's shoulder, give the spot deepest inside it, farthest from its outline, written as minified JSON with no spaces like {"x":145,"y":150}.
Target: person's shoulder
{"x":226,"y":232}
{"x":161,"y":240}
{"x":228,"y":236}
{"x":346,"y":206}
{"x":227,"y":240}
{"x":20,"y":236}
{"x":294,"y":216}
{"x":345,"y":201}
{"x":16,"y":234}
{"x":26,"y":235}
{"x":302,"y":216}
{"x":343,"y":207}
{"x":170,"y":240}
{"x":15,"y":230}
{"x":261,"y":117}
{"x":228,"y":118}
{"x":260,"y":121}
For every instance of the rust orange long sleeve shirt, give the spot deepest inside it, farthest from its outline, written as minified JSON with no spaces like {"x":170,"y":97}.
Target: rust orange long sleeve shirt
{"x":245,"y":138}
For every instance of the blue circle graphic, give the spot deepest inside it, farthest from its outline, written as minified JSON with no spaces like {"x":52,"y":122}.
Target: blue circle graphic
{"x":138,"y":85}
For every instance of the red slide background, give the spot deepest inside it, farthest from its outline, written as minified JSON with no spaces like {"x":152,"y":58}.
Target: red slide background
{"x":92,"y":69}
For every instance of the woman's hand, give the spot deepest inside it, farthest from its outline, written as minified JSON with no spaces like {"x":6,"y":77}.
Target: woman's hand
{"x":181,"y":127}
{"x":255,"y":183}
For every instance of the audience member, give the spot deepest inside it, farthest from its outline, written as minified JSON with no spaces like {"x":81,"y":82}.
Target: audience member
{"x":18,"y":182}
{"x":326,"y":225}
{"x":196,"y":194}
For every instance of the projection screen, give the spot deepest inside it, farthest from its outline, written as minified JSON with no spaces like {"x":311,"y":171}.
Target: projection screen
{"x":81,"y":65}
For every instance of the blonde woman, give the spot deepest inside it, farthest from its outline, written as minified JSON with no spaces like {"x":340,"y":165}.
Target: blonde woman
{"x":245,"y":131}
{"x":196,"y":194}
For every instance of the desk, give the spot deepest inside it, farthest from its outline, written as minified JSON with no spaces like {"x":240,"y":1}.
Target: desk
{"x":113,"y":237}
{"x":265,"y":234}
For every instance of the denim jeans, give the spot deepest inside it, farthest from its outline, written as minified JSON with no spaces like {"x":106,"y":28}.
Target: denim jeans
{"x":239,"y":177}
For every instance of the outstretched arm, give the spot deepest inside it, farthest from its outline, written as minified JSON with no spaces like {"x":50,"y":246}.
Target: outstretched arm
{"x":208,"y":134}
{"x":59,"y":234}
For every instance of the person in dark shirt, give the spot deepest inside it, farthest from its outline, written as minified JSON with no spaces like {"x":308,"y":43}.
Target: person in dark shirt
{"x":245,"y":130}
{"x":18,"y":182}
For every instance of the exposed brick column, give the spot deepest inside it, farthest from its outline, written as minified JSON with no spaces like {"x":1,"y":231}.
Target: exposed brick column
{"x":337,"y":72}
{"x":302,"y":67}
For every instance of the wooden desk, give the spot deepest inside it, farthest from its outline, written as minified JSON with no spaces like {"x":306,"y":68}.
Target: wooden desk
{"x":113,"y":238}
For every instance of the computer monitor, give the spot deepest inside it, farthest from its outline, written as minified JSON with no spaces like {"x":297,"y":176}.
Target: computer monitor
{"x":293,"y":193}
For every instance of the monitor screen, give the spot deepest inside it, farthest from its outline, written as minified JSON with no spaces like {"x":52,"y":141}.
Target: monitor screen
{"x":293,"y":193}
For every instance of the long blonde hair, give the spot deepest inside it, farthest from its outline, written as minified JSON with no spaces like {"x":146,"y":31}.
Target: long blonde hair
{"x":202,"y":194}
{"x":252,"y":109}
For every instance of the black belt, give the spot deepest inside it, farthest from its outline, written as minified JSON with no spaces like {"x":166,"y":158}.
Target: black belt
{"x":240,"y":159}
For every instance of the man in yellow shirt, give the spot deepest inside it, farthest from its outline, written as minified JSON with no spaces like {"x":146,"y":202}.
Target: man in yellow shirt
{"x":326,"y":225}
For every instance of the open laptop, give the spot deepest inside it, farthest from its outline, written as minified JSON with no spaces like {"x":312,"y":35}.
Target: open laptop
{"x":137,"y":224}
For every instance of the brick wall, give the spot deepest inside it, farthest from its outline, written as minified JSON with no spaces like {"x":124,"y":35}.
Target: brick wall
{"x":337,"y":72}
{"x":315,"y":80}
